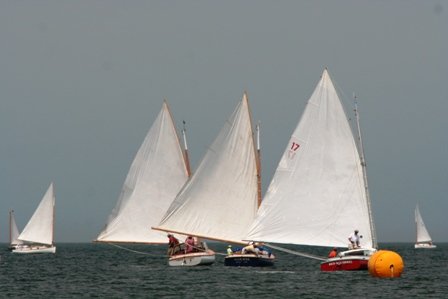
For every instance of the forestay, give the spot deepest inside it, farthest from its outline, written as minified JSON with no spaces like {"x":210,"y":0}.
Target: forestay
{"x":39,"y":228}
{"x":155,"y":177}
{"x":220,"y":200}
{"x":317,"y":195}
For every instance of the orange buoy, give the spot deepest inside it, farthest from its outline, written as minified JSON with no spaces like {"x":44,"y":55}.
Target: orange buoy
{"x":386,"y":264}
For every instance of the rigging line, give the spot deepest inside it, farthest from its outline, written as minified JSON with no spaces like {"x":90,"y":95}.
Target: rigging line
{"x":312,"y":256}
{"x":135,"y":251}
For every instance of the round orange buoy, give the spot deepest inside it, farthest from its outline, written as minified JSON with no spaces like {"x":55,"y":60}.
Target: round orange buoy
{"x":385,"y":263}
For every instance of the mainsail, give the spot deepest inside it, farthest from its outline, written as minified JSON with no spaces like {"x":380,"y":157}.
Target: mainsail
{"x":155,"y":177}
{"x":422,"y":233}
{"x":13,"y":230}
{"x":317,"y":195}
{"x":219,"y":202}
{"x":39,"y":228}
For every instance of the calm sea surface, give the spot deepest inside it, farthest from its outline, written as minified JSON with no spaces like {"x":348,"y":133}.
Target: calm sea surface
{"x":104,"y":271}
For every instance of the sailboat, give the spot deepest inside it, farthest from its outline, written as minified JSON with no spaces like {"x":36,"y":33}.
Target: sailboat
{"x":220,"y":200}
{"x":156,"y":175}
{"x":423,"y":238}
{"x":13,"y":232}
{"x":38,"y":234}
{"x":319,"y":194}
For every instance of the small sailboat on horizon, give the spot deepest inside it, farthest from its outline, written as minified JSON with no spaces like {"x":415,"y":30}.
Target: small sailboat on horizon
{"x":319,"y":192}
{"x":38,"y":234}
{"x":13,"y":232}
{"x":424,"y":240}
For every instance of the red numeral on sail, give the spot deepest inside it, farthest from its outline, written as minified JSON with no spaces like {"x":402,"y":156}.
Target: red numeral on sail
{"x":295,"y":146}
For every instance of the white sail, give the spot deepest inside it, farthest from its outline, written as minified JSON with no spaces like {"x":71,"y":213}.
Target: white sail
{"x":422,"y":233}
{"x":155,"y":177}
{"x":220,"y":200}
{"x":14,"y":231}
{"x":39,"y":228}
{"x":317,"y":195}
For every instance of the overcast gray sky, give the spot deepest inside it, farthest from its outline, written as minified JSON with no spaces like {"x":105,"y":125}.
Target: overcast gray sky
{"x":82,"y":81}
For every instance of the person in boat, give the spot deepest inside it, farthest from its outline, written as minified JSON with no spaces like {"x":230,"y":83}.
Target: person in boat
{"x":251,"y":248}
{"x":229,"y":250}
{"x":333,"y":253}
{"x":354,"y":239}
{"x":189,"y":244}
{"x":173,"y":244}
{"x":263,"y":250}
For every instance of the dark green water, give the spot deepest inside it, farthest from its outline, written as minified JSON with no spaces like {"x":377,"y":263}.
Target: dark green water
{"x":103,"y":271}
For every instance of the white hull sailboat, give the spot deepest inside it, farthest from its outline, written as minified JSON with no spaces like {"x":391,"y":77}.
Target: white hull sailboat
{"x":424,"y":240}
{"x":157,"y":173}
{"x":221,"y":199}
{"x":201,"y":256}
{"x":38,"y":234}
{"x":319,"y":193}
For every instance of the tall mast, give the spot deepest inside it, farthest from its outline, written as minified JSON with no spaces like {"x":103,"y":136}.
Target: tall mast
{"x":10,"y":226}
{"x":187,"y":160}
{"x":364,"y":172}
{"x":52,"y":232}
{"x":258,"y":164}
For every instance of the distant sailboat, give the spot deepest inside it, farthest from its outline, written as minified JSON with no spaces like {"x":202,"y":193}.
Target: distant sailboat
{"x":156,"y":175}
{"x":319,"y":193}
{"x":220,"y":200}
{"x":423,"y":238}
{"x":38,"y":234}
{"x":13,"y":232}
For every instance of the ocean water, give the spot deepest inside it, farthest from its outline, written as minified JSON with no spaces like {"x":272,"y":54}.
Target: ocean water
{"x":104,"y":271}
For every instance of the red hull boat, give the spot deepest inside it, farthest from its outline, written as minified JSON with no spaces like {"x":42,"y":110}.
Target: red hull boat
{"x":350,"y":260}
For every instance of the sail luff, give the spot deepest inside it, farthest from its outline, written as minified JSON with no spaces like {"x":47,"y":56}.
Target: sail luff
{"x":257,"y":149}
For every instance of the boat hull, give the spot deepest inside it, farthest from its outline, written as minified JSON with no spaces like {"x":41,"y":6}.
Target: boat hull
{"x":345,"y":264}
{"x":424,"y":245}
{"x":350,"y":260}
{"x":249,"y":260}
{"x":34,"y":249}
{"x":192,"y":259}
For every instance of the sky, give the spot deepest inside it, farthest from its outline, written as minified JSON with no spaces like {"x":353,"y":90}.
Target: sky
{"x":82,"y":81}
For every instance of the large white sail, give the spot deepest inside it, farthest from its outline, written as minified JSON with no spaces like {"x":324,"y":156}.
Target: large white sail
{"x":39,"y":228}
{"x":317,"y":195}
{"x":220,"y":200}
{"x":422,"y":233}
{"x":14,"y":231}
{"x":155,"y":177}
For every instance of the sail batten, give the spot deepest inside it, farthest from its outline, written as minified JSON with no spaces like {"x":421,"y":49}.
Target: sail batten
{"x":317,"y":195}
{"x":156,"y":174}
{"x":219,"y":202}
